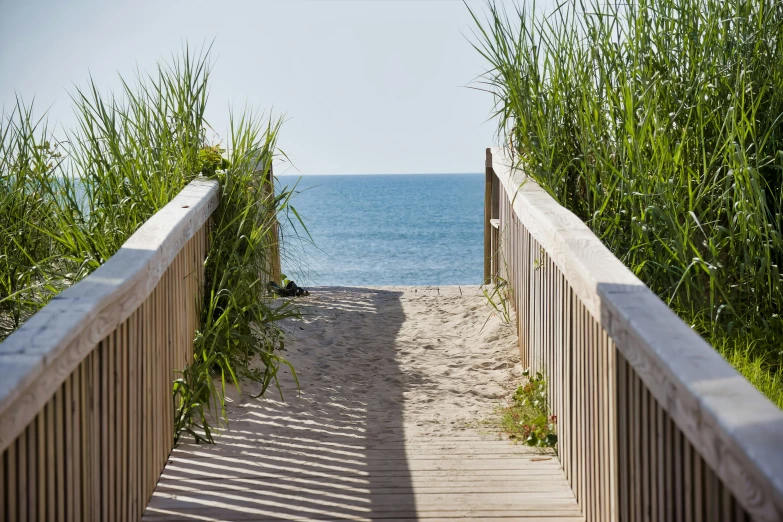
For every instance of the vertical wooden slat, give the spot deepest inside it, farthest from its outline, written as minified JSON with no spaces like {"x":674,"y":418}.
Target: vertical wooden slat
{"x":727,"y":504}
{"x":698,"y":488}
{"x":133,"y":417}
{"x":568,"y":417}
{"x":87,"y":442}
{"x":122,"y":417}
{"x":584,"y":461}
{"x":42,"y":464}
{"x":32,"y":471}
{"x":59,"y":471}
{"x":612,"y":429}
{"x":622,"y":436}
{"x":687,"y":482}
{"x":11,"y":482}
{"x":589,"y":447}
{"x":3,"y":488}
{"x":712,"y":497}
{"x":663,"y":486}
{"x":487,"y":215}
{"x":668,"y":463}
{"x":51,"y":462}
{"x":146,"y":393}
{"x":21,"y":476}
{"x":604,"y":408}
{"x":80,"y":435}
{"x":645,"y":450}
{"x":635,"y":484}
{"x":677,"y":459}
{"x":654,"y":456}
{"x":67,"y":435}
{"x":593,"y":402}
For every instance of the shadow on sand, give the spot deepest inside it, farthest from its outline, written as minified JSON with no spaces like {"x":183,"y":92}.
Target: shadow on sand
{"x":336,"y":451}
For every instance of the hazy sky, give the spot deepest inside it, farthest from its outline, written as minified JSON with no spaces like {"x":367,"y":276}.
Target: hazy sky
{"x":367,"y":86}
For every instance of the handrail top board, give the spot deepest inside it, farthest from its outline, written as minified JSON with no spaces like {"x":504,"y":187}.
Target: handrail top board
{"x":37,"y":358}
{"x":733,"y":426}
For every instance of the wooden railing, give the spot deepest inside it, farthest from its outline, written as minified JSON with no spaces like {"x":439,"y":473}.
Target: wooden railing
{"x":653,"y":424}
{"x":86,"y":410}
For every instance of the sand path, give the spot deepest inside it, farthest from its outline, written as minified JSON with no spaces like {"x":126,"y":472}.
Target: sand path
{"x":395,"y":382}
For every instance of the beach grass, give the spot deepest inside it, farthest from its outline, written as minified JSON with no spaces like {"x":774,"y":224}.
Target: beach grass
{"x":69,"y":200}
{"x":659,"y":123}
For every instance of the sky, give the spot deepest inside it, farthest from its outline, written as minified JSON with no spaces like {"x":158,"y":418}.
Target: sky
{"x":365,"y":86}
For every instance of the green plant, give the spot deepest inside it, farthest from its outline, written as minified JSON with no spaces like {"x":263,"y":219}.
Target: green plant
{"x":660,"y":124}
{"x":67,"y":206}
{"x":239,"y":336}
{"x":527,"y":418}
{"x":498,"y":299}
{"x":27,"y":167}
{"x":210,"y":160}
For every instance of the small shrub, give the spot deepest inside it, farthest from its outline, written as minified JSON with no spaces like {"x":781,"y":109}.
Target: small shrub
{"x":527,"y":418}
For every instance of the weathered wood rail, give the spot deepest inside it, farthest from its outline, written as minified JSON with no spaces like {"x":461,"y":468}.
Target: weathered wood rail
{"x":653,"y":424}
{"x":86,"y":410}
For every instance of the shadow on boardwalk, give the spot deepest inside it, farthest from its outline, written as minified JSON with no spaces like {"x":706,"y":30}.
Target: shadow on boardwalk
{"x":334,"y":452}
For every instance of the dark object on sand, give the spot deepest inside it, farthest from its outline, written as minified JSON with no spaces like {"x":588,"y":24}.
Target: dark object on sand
{"x":289,"y":290}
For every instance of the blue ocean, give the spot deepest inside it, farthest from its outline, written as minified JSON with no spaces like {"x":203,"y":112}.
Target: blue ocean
{"x":421,"y":229}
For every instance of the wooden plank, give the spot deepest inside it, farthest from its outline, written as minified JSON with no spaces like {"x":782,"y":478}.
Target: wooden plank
{"x":79,"y":465}
{"x":21,"y":477}
{"x":592,"y":404}
{"x":698,"y":487}
{"x":580,"y":405}
{"x":687,"y":482}
{"x":727,"y":502}
{"x":51,"y":461}
{"x":58,"y":438}
{"x":32,"y":470}
{"x":636,"y":449}
{"x":134,"y":509}
{"x":68,"y":418}
{"x":12,"y":482}
{"x":98,"y":418}
{"x":645,"y":444}
{"x":41,"y":494}
{"x":622,"y":437}
{"x":712,"y":497}
{"x":654,"y":457}
{"x":3,"y":488}
{"x":104,"y":429}
{"x":669,"y":456}
{"x":612,"y":430}
{"x":122,"y":428}
{"x":677,"y":460}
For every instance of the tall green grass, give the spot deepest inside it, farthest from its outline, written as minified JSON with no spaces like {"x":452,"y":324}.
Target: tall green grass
{"x":68,"y":204}
{"x":659,"y":123}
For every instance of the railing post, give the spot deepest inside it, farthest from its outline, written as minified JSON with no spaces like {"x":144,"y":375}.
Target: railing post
{"x":274,"y":245}
{"x":487,"y":217}
{"x":272,"y":270}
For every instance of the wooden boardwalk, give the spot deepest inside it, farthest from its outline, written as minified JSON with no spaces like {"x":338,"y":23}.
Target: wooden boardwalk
{"x":380,"y":431}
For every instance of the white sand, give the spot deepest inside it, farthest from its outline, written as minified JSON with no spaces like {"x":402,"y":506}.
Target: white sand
{"x":437,"y":358}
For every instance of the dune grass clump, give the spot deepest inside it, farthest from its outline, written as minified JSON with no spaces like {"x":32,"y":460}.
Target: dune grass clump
{"x":659,"y":123}
{"x":68,"y":204}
